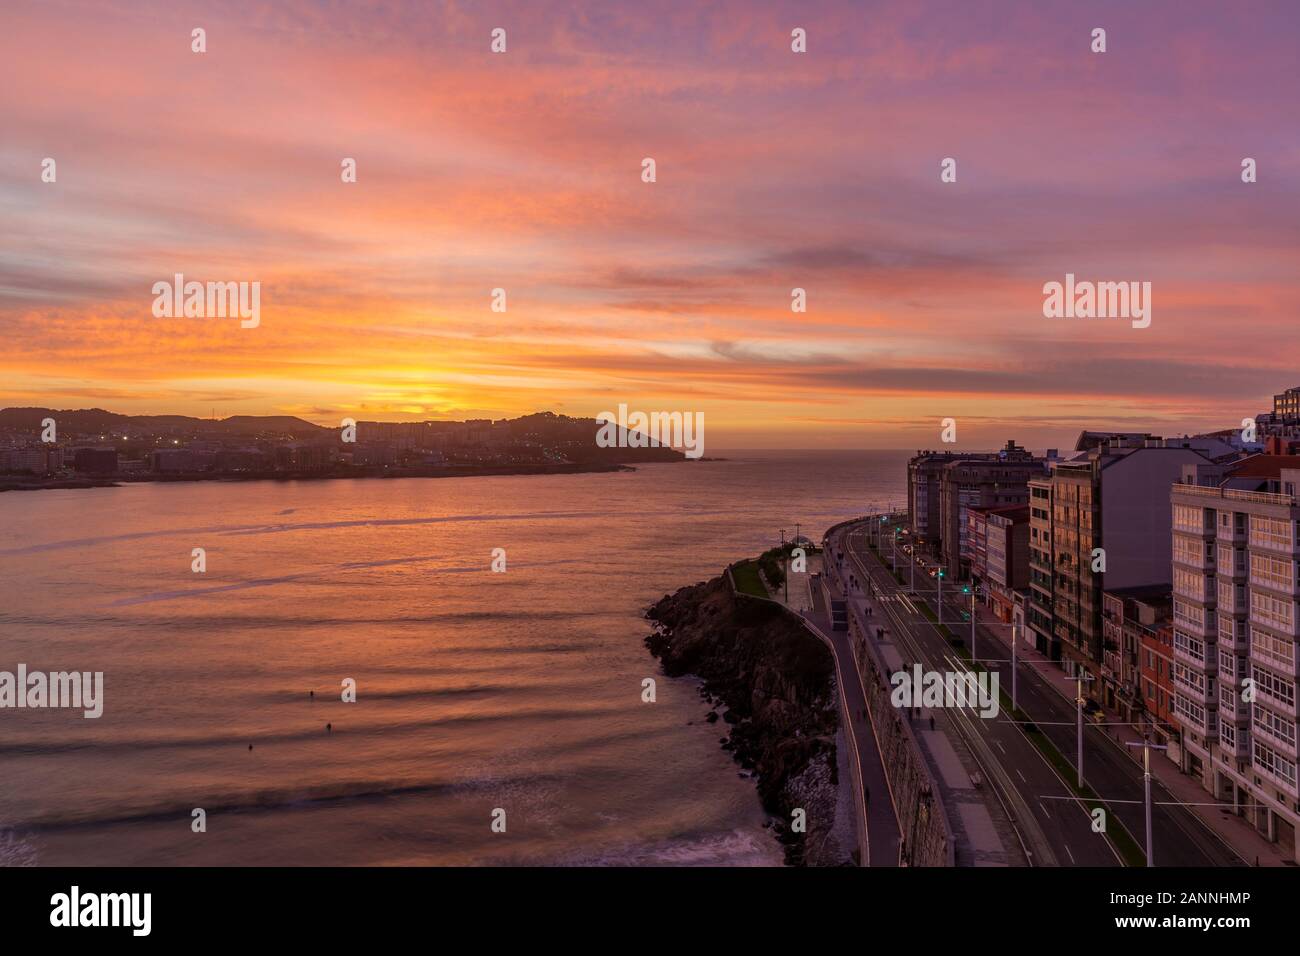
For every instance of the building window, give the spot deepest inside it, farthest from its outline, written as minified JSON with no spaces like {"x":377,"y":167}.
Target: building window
{"x":1274,"y":533}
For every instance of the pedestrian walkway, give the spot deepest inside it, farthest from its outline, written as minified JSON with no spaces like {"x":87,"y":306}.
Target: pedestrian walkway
{"x":882,"y":836}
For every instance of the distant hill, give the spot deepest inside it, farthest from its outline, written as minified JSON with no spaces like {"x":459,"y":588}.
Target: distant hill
{"x":574,"y":437}
{"x":88,"y":421}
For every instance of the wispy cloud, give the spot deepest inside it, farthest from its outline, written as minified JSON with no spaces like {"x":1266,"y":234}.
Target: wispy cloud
{"x":775,"y":170}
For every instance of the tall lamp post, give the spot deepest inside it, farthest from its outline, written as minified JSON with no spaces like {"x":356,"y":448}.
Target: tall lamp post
{"x":1147,"y":747}
{"x":1078,"y":679}
{"x":941,"y":594}
{"x":966,"y":589}
{"x":1014,"y":706}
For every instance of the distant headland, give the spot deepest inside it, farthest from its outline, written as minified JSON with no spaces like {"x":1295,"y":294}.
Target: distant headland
{"x":42,"y":448}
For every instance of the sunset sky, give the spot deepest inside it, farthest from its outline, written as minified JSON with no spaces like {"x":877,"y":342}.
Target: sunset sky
{"x":775,"y":170}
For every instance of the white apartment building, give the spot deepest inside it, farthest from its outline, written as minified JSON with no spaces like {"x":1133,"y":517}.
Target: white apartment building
{"x":1236,"y":584}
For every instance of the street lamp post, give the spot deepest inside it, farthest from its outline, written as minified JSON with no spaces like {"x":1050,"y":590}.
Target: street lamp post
{"x":941,"y":595}
{"x":1014,"y":708}
{"x":1078,"y":707}
{"x":1146,"y":785}
{"x":1078,"y":679}
{"x":971,"y":590}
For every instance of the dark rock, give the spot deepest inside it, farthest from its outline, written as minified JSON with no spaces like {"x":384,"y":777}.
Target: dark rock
{"x":777,"y":682}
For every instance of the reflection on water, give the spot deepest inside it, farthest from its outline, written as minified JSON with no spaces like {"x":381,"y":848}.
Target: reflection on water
{"x":476,"y":690}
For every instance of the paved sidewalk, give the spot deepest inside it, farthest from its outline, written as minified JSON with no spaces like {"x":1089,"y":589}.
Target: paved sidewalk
{"x":877,"y":826}
{"x":1217,"y":815}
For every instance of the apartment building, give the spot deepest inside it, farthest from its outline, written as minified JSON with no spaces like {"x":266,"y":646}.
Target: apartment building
{"x":1156,"y":677}
{"x":1286,"y":406}
{"x":1006,"y":559}
{"x":975,"y":542}
{"x":923,"y":472}
{"x":1236,"y":555}
{"x":31,"y":459}
{"x":1130,"y":619}
{"x":1099,"y":521}
{"x":1041,"y":595}
{"x":966,"y":484}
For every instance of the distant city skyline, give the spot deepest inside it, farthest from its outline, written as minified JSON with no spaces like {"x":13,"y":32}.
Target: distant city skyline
{"x":775,"y":171}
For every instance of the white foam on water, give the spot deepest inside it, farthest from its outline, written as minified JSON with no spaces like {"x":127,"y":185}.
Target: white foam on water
{"x":736,"y":848}
{"x":16,"y":851}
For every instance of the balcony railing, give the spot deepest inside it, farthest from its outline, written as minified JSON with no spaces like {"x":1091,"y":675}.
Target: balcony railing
{"x":1271,"y":737}
{"x":1277,"y":703}
{"x":1201,"y":695}
{"x":1233,"y":494}
{"x":1205,"y":726}
{"x":1289,"y":785}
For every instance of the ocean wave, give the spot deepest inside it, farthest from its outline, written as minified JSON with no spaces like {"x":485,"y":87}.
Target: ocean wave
{"x":277,"y":800}
{"x":282,"y":527}
{"x":735,"y":848}
{"x":16,"y":849}
{"x":127,"y":745}
{"x":321,"y":573}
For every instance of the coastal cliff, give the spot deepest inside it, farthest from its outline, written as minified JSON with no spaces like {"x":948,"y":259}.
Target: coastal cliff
{"x":773,"y":684}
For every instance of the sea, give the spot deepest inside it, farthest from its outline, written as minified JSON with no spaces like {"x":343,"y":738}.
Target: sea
{"x":498,"y":716}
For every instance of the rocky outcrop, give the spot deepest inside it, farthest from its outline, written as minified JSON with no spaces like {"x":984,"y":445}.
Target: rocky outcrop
{"x":774,"y":684}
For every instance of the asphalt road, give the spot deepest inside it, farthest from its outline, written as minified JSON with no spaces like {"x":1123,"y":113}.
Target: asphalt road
{"x":1180,"y":838}
{"x":1052,"y":832}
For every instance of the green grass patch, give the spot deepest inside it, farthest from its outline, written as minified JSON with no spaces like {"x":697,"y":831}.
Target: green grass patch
{"x":747,"y":579}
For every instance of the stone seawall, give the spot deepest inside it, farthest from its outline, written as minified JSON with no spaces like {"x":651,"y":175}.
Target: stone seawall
{"x":927,"y":838}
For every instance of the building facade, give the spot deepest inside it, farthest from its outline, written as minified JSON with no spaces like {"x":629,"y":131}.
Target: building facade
{"x":1099,"y":521}
{"x":992,"y":483}
{"x":1156,"y":674}
{"x":975,"y":543}
{"x":1130,"y":619}
{"x":1236,"y":555}
{"x":1041,"y":594}
{"x":924,"y":470}
{"x":1006,"y":559}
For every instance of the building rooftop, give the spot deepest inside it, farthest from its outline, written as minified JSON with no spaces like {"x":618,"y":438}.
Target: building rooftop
{"x":1263,"y":466}
{"x":1013,"y":512}
{"x":1146,"y":593}
{"x":1089,"y":439}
